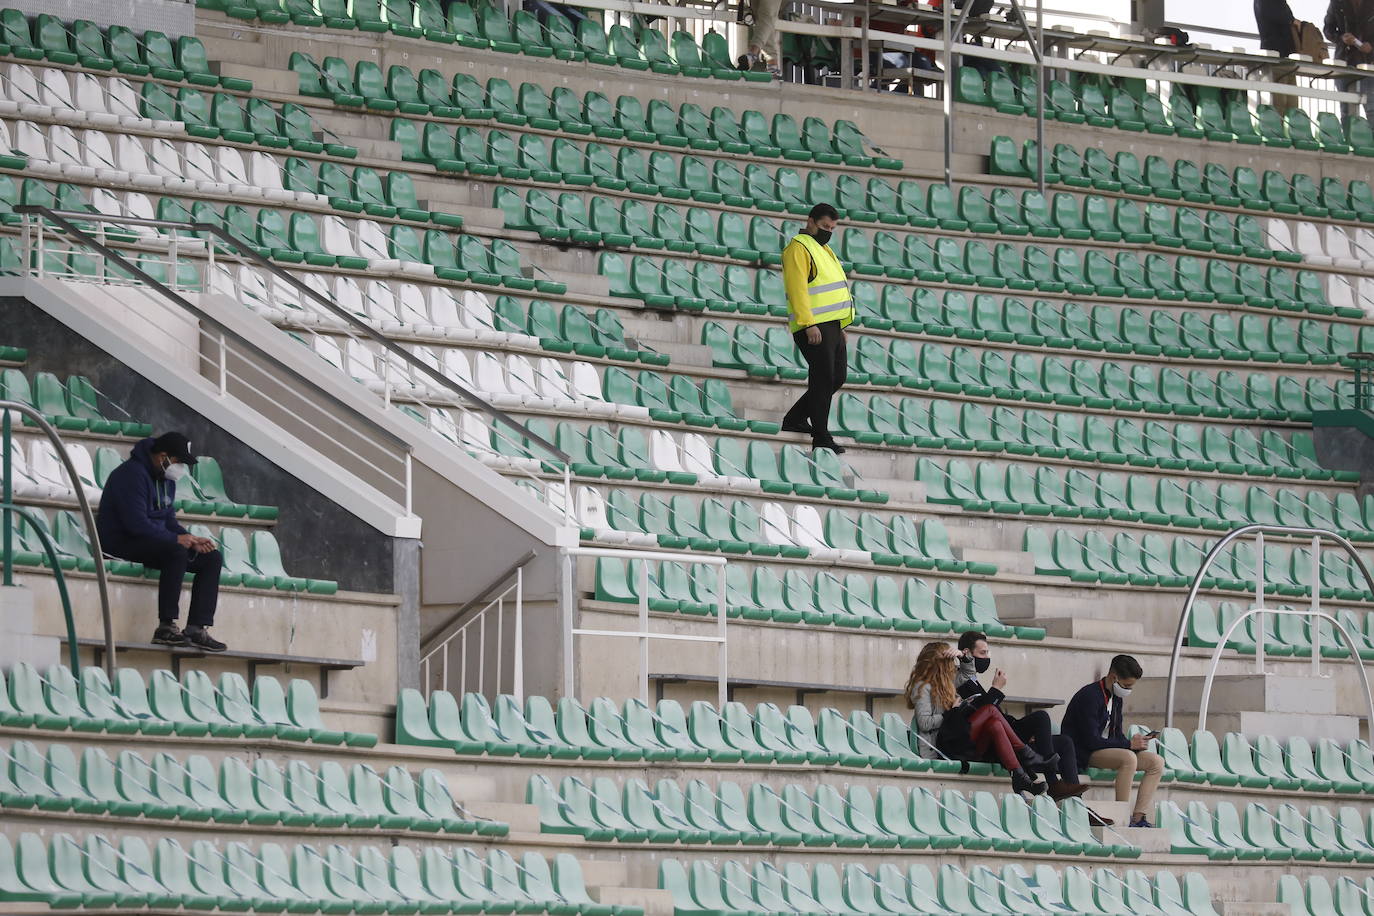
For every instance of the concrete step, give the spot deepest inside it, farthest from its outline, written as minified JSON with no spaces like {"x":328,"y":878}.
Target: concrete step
{"x":522,"y":818}
{"x":1254,"y":723}
{"x":1006,"y":560}
{"x":264,"y":79}
{"x":243,"y":49}
{"x":1248,"y":908}
{"x":655,"y":902}
{"x":682,"y":354}
{"x":373,"y":149}
{"x":1124,"y":631}
{"x":1270,"y":692}
{"x":1147,"y":838}
{"x":604,"y":872}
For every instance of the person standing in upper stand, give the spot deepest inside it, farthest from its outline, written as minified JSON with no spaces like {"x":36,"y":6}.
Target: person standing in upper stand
{"x":820,"y":308}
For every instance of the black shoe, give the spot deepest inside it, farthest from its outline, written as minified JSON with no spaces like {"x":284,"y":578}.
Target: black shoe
{"x":201,"y":639}
{"x":1021,"y":782}
{"x":1032,"y":760}
{"x":803,"y":428}
{"x":167,"y":634}
{"x":831,"y":444}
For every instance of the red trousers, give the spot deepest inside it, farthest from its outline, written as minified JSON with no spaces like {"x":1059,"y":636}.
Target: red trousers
{"x":991,"y":734}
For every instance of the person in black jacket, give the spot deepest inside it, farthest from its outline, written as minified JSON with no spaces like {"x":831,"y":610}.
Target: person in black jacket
{"x":1275,"y":22}
{"x":1033,"y":728}
{"x":1094,"y":719}
{"x":137,"y":521}
{"x":1350,"y":26}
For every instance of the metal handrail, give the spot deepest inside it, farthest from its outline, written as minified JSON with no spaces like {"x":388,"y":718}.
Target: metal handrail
{"x":642,"y":634}
{"x":1313,"y":612}
{"x":61,"y":218}
{"x":87,"y":516}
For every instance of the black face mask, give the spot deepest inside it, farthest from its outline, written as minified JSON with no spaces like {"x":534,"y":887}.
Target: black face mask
{"x":982,"y":664}
{"x":822,"y":236}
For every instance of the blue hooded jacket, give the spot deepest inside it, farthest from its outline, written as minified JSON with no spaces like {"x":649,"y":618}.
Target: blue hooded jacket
{"x":137,"y":503}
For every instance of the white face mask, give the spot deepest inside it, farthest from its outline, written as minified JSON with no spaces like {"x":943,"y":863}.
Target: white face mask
{"x":175,"y":472}
{"x":1122,"y":692}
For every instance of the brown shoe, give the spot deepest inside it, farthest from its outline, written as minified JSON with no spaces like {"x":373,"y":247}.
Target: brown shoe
{"x":1062,"y":790}
{"x":1097,"y":820}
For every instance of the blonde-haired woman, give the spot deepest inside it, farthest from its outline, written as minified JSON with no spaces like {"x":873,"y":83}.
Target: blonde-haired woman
{"x":963,"y":731}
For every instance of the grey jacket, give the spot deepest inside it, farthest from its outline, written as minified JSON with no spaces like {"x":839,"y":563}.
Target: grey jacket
{"x":926,"y":720}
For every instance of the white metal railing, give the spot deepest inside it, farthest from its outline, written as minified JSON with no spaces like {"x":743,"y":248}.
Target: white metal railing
{"x":571,"y":610}
{"x":436,"y":667}
{"x":1312,"y":613}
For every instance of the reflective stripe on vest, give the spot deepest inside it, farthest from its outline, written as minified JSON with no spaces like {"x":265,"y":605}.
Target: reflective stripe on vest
{"x":828,"y":290}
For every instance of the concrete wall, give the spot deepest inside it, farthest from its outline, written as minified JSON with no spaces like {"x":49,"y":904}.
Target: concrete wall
{"x":355,"y":554}
{"x":173,"y":18}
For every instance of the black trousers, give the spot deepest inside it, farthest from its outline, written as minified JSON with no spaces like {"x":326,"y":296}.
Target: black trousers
{"x":828,"y":362}
{"x":1034,"y":729}
{"x":174,"y":562}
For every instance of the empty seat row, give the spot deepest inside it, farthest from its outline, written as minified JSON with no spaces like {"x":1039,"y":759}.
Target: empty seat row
{"x":733,"y":889}
{"x":88,"y":100}
{"x":363,"y":86}
{"x":85,"y":44}
{"x":665,"y":283}
{"x":523,"y":156}
{"x":769,"y":529}
{"x":385,"y":195}
{"x":549,"y":34}
{"x":1105,"y":328}
{"x":165,"y":706}
{"x":758,"y":815}
{"x":1151,"y":559}
{"x":1343,"y":896}
{"x":232,"y":791}
{"x":1286,"y":833}
{"x":1284,"y":635}
{"x":725,"y":463}
{"x":161,"y":165}
{"x":1019,"y":489}
{"x":605,"y":730}
{"x":1185,"y":180}
{"x":944,"y":424}
{"x":1266,"y":762}
{"x":907,"y":605}
{"x":73,"y":406}
{"x":1135,"y":109}
{"x":98,"y":874}
{"x":1098,"y":386}
{"x":571,"y":329}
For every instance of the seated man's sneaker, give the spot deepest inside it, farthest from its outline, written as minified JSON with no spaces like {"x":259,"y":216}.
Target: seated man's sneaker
{"x":200,"y":638}
{"x":167,"y":634}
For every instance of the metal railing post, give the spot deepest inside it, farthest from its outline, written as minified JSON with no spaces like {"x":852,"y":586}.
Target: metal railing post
{"x":723,"y":668}
{"x":1312,"y":613}
{"x":569,"y":612}
{"x":1259,"y":603}
{"x":518,"y":674}
{"x":644,"y":632}
{"x":7,"y":497}
{"x":1314,"y":608}
{"x":87,"y":518}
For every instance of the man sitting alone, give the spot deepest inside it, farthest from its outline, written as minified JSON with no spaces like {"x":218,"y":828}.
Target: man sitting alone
{"x":137,"y":521}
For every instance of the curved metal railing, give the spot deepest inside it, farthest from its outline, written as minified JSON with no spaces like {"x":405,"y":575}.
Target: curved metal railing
{"x":7,"y":507}
{"x":1313,"y":612}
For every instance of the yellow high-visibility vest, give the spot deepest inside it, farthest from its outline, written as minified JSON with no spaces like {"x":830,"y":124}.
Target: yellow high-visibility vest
{"x":828,"y":290}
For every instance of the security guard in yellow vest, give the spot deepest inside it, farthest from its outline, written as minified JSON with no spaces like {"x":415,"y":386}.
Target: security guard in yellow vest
{"x":820,"y":309}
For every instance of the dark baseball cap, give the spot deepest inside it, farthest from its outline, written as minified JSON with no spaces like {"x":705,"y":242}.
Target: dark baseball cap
{"x":176,"y":445}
